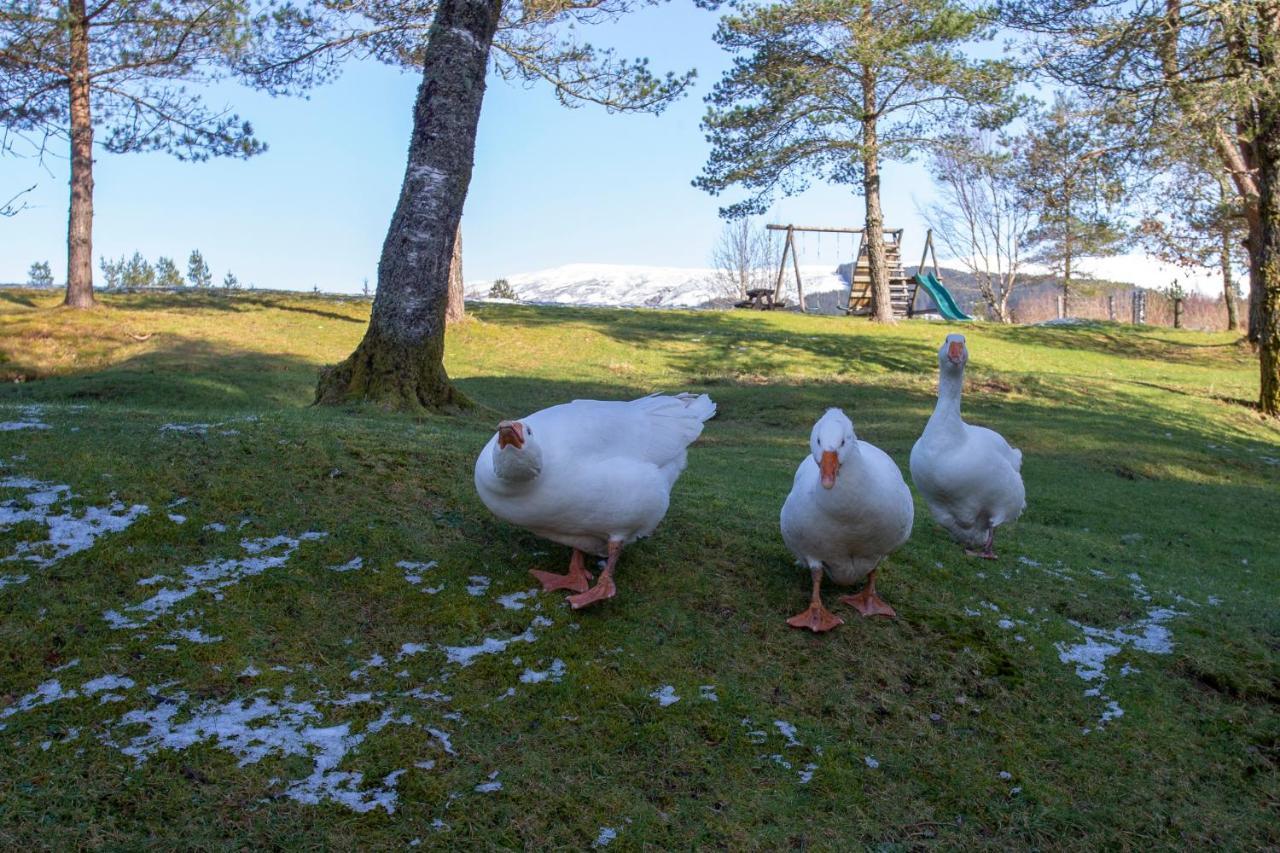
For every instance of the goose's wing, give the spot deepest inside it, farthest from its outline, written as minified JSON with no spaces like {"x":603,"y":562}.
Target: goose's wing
{"x":654,"y":429}
{"x":995,"y":442}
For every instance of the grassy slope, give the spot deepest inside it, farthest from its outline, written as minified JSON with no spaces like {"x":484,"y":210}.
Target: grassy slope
{"x":1124,"y":432}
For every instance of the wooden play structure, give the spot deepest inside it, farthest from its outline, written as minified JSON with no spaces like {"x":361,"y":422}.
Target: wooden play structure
{"x":903,"y":289}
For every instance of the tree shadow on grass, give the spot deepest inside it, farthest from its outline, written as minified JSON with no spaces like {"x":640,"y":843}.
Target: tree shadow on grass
{"x":724,"y":343}
{"x":179,"y":373}
{"x":17,"y":298}
{"x":1139,"y":342}
{"x":236,"y":301}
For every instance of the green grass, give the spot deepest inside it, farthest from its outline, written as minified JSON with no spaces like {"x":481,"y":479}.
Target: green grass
{"x":1141,"y":458}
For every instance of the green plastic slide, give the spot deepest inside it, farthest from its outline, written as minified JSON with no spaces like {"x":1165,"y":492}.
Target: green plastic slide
{"x":942,"y":297}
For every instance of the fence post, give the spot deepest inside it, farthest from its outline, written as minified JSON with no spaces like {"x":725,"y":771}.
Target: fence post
{"x":1139,"y":307}
{"x":1062,"y":312}
{"x":1177,"y":312}
{"x":1111,"y":307}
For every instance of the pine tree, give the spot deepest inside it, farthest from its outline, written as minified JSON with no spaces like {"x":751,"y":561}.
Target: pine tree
{"x":167,"y":274}
{"x":230,"y":282}
{"x":1212,"y":66}
{"x":40,"y":275}
{"x":1071,"y":178}
{"x":502,"y":289}
{"x":115,"y":72}
{"x":198,"y":274}
{"x":829,"y":89}
{"x":137,"y":273}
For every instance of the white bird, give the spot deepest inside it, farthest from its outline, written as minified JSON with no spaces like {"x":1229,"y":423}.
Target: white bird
{"x":848,"y":509}
{"x":594,"y":475}
{"x":969,"y":475}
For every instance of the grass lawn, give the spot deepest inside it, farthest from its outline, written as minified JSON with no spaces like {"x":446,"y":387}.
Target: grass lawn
{"x":229,"y":621}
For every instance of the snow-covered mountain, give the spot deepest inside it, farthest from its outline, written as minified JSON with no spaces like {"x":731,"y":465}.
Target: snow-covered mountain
{"x":654,"y":287}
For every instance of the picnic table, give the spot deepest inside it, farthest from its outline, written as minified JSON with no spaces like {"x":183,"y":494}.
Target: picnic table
{"x":761,"y":299}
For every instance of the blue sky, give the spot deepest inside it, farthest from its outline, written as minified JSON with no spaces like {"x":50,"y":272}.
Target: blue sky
{"x":551,"y":185}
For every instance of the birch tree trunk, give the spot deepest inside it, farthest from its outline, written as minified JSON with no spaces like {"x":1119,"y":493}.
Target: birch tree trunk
{"x":456,"y":311}
{"x":400,"y":362}
{"x":80,"y":217}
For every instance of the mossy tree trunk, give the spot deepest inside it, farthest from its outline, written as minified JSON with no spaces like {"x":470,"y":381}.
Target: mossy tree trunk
{"x":400,"y":362}
{"x":1268,"y":155}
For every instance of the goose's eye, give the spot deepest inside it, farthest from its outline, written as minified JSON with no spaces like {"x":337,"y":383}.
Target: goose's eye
{"x":528,"y":431}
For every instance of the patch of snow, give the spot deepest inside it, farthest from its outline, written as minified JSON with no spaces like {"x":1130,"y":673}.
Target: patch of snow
{"x":67,"y":665}
{"x":215,"y":526}
{"x":464,"y":656}
{"x":513,"y":600}
{"x":1027,"y":561}
{"x":212,"y":577}
{"x":666,"y":695}
{"x":372,"y":663}
{"x":478,"y":585}
{"x":13,"y":580}
{"x":606,"y":835}
{"x":250,"y":671}
{"x":106,"y":682}
{"x":806,"y":775}
{"x":413,"y":571}
{"x":177,"y":519}
{"x":47,"y":693}
{"x":66,"y":532}
{"x":1006,"y":624}
{"x":788,"y":731}
{"x":193,"y":635}
{"x":554,"y":674}
{"x":445,"y":742}
{"x":708,"y":692}
{"x":871,"y":762}
{"x":492,"y":785}
{"x":349,"y":566}
{"x":256,"y":728}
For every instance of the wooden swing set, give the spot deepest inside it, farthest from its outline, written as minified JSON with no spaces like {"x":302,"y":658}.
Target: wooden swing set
{"x":902,"y":288}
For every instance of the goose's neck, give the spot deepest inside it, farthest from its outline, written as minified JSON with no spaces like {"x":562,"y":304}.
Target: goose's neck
{"x":947,"y":412}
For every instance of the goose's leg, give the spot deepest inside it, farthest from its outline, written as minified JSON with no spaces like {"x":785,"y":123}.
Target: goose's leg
{"x":817,"y":618}
{"x":986,"y":553}
{"x":604,"y":587}
{"x":577,"y":579}
{"x":867,"y":602}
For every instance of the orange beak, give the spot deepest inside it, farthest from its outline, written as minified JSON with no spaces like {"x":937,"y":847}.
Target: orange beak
{"x":829,"y":466}
{"x":511,"y":433}
{"x":955,"y":351}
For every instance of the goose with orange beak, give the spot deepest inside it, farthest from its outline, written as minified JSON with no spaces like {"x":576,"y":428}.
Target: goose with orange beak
{"x":594,"y":475}
{"x":968,"y":475}
{"x":849,"y":508}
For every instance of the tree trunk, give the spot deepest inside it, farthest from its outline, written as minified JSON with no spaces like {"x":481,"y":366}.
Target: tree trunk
{"x":1253,"y":245}
{"x":80,"y":219}
{"x":1066,"y":253}
{"x":881,"y":301}
{"x":457,"y":308}
{"x":400,"y":362}
{"x":1228,"y":289}
{"x":1267,"y":147}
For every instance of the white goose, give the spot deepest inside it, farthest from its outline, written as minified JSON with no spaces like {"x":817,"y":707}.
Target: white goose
{"x":591,"y":474}
{"x":969,"y":475}
{"x":848,"y":509}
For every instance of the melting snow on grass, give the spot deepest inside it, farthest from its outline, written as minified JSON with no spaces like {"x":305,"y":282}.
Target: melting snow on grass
{"x":466,"y":655}
{"x":1090,"y":656}
{"x":788,"y":731}
{"x":666,"y":695}
{"x":478,"y":585}
{"x":28,"y":418}
{"x":514,"y":601}
{"x":553,"y":674}
{"x":607,"y":834}
{"x":67,"y":532}
{"x":212,"y":576}
{"x":254,"y":729}
{"x":349,"y":566}
{"x":492,"y":785}
{"x":413,"y":571}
